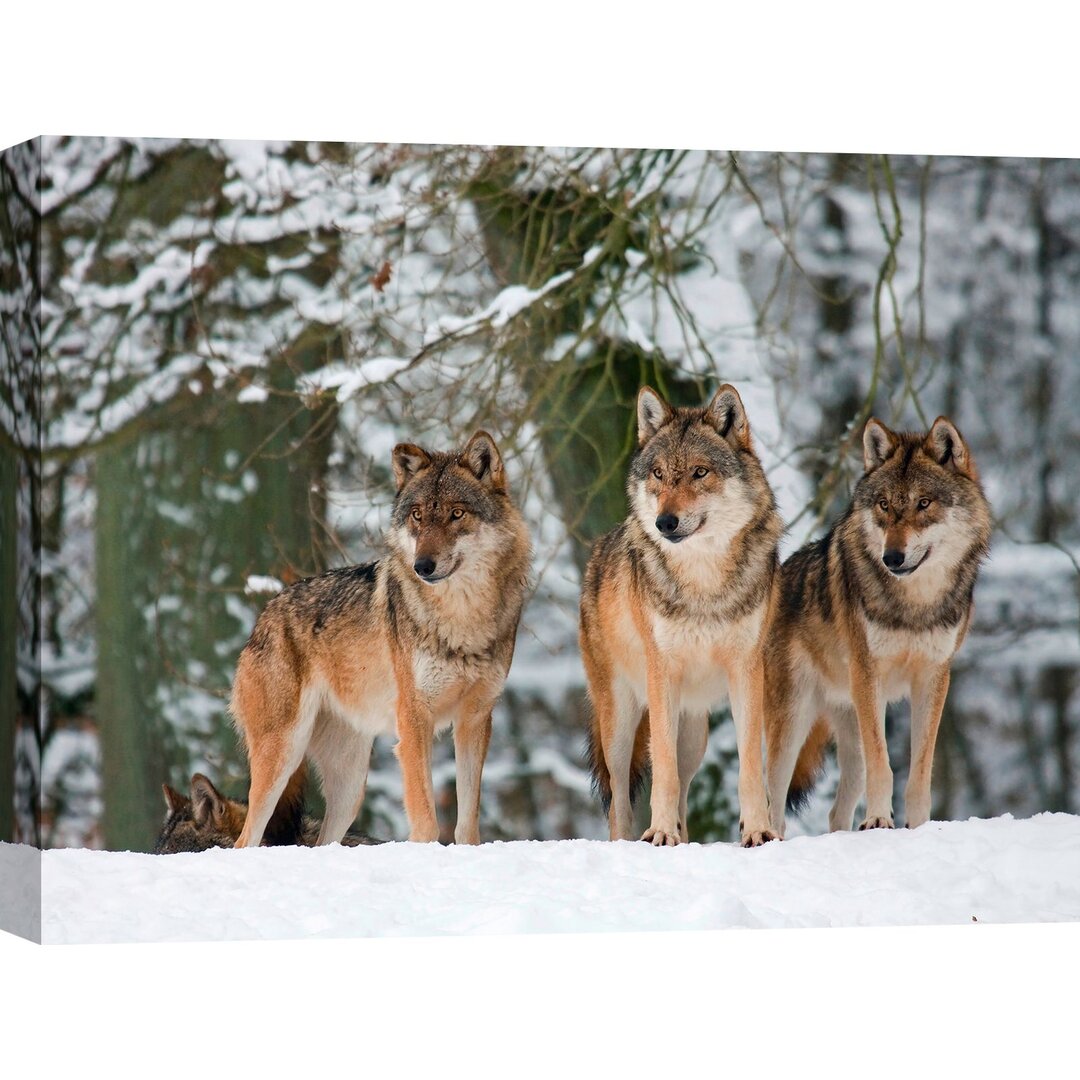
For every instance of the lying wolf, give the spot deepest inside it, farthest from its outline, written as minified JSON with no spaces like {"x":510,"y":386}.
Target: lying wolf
{"x":207,"y":819}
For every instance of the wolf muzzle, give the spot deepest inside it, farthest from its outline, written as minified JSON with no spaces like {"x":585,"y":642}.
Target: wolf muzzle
{"x":667,"y":525}
{"x":424,"y":567}
{"x":893,"y":559}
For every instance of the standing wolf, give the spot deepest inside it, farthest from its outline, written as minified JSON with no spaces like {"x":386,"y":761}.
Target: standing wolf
{"x":873,"y":612}
{"x":411,"y":644}
{"x":673,"y":612}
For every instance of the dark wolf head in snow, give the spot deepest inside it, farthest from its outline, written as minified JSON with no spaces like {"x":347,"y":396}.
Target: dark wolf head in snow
{"x":203,"y":820}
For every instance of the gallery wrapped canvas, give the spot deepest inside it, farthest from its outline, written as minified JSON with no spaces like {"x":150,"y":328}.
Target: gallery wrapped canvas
{"x":214,"y":353}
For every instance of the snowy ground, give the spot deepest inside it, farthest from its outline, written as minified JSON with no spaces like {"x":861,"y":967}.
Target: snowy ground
{"x":999,"y":870}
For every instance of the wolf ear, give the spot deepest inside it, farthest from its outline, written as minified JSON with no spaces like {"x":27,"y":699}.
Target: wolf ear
{"x":206,"y":801}
{"x":947,"y":447}
{"x":653,"y":412}
{"x":481,"y":457}
{"x":408,"y":459}
{"x":727,"y":414}
{"x":878,"y":442}
{"x":173,"y":799}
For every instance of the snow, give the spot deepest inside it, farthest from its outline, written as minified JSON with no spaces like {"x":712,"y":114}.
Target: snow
{"x":997,"y":870}
{"x":348,"y":379}
{"x":510,"y":302}
{"x":262,"y":584}
{"x":252,"y":394}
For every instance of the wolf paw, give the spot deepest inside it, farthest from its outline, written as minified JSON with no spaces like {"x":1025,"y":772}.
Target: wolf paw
{"x":876,"y":823}
{"x":661,"y":837}
{"x":757,"y":837}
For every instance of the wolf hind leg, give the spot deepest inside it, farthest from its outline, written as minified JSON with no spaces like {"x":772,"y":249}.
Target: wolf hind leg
{"x":342,"y":756}
{"x":620,"y":753}
{"x":928,"y":692}
{"x":472,"y":732}
{"x":617,"y":717}
{"x":852,"y":784}
{"x":746,"y":685}
{"x":693,"y":738}
{"x":785,"y":734}
{"x":273,"y":757}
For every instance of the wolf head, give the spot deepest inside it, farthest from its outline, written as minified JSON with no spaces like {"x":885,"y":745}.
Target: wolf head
{"x":204,"y":820}
{"x":452,"y":511}
{"x":695,"y":477}
{"x":920,"y":499}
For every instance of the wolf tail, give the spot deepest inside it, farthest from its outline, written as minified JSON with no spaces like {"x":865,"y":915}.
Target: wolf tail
{"x":639,"y":762}
{"x":286,"y":824}
{"x":808,"y":766}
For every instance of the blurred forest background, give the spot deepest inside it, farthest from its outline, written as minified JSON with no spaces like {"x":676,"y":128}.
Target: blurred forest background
{"x":233,"y":335}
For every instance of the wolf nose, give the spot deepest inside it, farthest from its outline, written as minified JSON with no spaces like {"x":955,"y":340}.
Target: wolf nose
{"x":893,"y":559}
{"x":667,"y":523}
{"x":424,"y":566}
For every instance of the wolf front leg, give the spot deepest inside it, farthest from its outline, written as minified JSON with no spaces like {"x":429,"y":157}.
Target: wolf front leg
{"x":870,"y":712}
{"x":746,"y":685}
{"x":415,"y":729}
{"x":928,"y":691}
{"x":472,"y":730}
{"x":663,"y":830}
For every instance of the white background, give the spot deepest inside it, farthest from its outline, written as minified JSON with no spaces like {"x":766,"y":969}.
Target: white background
{"x":914,"y":78}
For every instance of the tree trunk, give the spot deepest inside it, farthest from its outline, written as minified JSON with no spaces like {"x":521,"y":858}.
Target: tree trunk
{"x":584,"y":407}
{"x":183,"y":518}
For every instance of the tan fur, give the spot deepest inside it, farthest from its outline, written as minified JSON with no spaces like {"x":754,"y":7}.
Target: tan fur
{"x":671,"y":629}
{"x":872,"y":613}
{"x":336,"y":660}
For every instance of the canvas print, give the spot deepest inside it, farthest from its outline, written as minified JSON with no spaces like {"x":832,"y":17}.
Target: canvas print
{"x":417,"y":539}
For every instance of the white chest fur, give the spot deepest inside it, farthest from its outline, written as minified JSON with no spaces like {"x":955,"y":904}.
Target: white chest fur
{"x":700,"y":657}
{"x":899,"y":655}
{"x":930,"y":646}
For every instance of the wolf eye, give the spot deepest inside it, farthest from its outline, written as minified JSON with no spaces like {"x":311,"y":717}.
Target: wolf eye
{"x":700,"y":471}
{"x":457,"y":513}
{"x":924,"y":503}
{"x":416,"y":513}
{"x":658,"y":474}
{"x":883,"y":503}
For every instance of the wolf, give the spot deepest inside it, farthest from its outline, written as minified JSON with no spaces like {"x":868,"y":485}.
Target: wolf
{"x":409,"y":645}
{"x":207,"y":819}
{"x":874,"y":612}
{"x":674,"y":606}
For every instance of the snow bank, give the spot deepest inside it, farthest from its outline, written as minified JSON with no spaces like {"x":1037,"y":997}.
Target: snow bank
{"x":998,"y":870}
